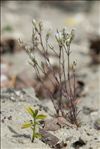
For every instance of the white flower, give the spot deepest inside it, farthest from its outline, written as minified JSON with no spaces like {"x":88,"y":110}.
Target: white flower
{"x":59,"y":36}
{"x":69,"y":38}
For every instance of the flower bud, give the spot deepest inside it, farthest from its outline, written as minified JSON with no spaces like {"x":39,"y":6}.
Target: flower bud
{"x":58,"y":36}
{"x":34,"y":22}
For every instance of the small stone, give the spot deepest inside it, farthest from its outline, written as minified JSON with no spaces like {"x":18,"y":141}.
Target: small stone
{"x":2,"y":120}
{"x":78,"y":143}
{"x":18,"y":93}
{"x":88,"y":110}
{"x":10,"y":117}
{"x":97,"y":124}
{"x":4,"y":117}
{"x":13,"y":99}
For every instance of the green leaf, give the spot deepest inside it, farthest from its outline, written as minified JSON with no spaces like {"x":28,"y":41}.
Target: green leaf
{"x":40,"y":116}
{"x":26,"y":125}
{"x":37,"y":135}
{"x":35,"y":113}
{"x":30,"y":111}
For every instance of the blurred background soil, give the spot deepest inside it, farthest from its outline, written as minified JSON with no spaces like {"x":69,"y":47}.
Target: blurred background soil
{"x":16,"y":23}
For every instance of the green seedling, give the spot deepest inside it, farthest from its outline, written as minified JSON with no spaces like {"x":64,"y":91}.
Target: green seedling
{"x":34,"y":124}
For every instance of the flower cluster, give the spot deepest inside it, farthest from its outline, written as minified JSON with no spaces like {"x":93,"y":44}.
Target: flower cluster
{"x":63,"y":38}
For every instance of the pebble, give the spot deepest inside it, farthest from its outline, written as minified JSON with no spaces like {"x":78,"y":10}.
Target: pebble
{"x":88,"y":110}
{"x":10,"y":117}
{"x":12,"y":98}
{"x":97,"y":124}
{"x":18,"y":93}
{"x":78,"y":143}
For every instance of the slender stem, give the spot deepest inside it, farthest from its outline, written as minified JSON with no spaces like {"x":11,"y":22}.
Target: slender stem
{"x":68,"y":55}
{"x":41,"y":41}
{"x":34,"y":129}
{"x":46,"y":74}
{"x":52,"y":48}
{"x":74,"y":83}
{"x":53,"y":72}
{"x":42,"y":81}
{"x":46,"y":59}
{"x":50,"y":93}
{"x":63,"y":66}
{"x":60,"y":80}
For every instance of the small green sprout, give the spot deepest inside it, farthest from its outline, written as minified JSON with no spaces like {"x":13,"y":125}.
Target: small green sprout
{"x":34,"y":124}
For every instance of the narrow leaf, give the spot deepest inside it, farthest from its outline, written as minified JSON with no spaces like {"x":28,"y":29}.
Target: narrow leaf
{"x":26,"y":125}
{"x":30,"y":111}
{"x":35,"y":113}
{"x":37,"y":135}
{"x":41,"y":116}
